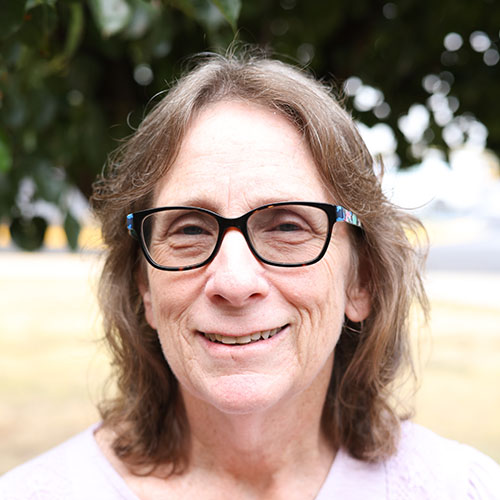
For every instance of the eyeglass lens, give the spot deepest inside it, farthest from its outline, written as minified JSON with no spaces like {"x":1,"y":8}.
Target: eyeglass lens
{"x":284,"y":234}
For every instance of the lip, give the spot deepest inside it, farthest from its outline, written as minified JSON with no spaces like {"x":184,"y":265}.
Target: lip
{"x":262,"y":343}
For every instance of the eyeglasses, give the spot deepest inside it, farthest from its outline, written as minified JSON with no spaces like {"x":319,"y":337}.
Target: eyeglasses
{"x":286,"y":234}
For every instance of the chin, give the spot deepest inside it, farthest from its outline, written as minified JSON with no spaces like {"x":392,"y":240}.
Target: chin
{"x":245,"y":394}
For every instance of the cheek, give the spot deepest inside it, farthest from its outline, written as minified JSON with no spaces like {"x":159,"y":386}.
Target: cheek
{"x":319,"y":298}
{"x":170,"y":309}
{"x":170,"y":297}
{"x":320,"y":290}
{"x":170,"y":301}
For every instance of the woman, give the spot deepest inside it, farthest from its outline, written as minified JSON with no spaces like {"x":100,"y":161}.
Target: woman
{"x":258,"y":315}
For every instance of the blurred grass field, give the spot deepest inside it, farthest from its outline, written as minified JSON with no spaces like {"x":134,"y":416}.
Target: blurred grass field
{"x":52,"y":366}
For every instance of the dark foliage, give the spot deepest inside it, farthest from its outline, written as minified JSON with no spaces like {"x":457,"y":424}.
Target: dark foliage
{"x":76,"y":76}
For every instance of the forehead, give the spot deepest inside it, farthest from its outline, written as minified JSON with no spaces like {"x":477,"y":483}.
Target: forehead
{"x":236,"y":156}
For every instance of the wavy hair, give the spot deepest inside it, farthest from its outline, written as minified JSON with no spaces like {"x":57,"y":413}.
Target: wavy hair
{"x":147,"y":413}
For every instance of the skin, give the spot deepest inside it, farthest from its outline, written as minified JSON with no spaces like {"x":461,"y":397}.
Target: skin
{"x":246,"y":405}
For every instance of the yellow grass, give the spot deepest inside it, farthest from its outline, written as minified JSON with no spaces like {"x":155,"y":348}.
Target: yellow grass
{"x":52,"y":368}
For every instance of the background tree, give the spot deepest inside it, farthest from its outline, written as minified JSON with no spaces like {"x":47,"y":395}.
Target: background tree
{"x":77,"y":75}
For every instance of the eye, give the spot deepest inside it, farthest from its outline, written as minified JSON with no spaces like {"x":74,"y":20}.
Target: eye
{"x":190,"y":226}
{"x":286,"y":221}
{"x":192,"y":230}
{"x":288,"y":227}
{"x":179,"y":224}
{"x":280,"y":221}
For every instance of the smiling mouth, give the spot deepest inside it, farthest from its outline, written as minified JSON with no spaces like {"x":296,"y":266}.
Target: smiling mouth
{"x":243,"y":339}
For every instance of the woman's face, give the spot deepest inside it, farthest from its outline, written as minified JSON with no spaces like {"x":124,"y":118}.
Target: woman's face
{"x":236,"y":157}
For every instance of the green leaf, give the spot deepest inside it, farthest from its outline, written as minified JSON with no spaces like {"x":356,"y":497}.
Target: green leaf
{"x":230,"y":9}
{"x":39,"y":25}
{"x":203,"y":11}
{"x":111,"y":16}
{"x":75,"y":30}
{"x":28,"y":234}
{"x":35,"y":3}
{"x":185,"y":6}
{"x":5,"y":155}
{"x":12,"y":13}
{"x":72,"y":229}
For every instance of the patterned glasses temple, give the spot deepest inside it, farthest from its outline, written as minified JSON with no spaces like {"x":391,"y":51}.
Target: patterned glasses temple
{"x":130,"y":225}
{"x":344,"y":215}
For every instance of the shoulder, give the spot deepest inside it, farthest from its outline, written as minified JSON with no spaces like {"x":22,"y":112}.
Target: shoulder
{"x":76,"y":469}
{"x":430,"y":466}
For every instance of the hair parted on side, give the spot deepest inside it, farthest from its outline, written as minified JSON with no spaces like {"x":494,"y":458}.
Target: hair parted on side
{"x":147,"y":414}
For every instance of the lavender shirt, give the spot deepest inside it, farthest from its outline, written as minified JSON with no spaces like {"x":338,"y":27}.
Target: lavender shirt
{"x":425,"y":466}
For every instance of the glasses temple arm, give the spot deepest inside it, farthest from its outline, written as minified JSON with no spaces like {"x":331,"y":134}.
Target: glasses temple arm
{"x":344,"y":215}
{"x":130,"y":227}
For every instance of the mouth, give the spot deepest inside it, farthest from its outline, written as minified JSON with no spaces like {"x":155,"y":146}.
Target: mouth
{"x":242,"y":339}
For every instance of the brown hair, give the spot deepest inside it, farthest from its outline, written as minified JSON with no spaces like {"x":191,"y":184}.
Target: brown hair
{"x":147,"y":413}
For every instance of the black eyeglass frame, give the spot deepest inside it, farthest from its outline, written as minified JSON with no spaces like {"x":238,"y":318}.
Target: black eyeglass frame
{"x":335,"y":213}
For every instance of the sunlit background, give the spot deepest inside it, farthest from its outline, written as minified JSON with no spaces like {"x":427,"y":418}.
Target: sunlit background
{"x":53,"y":367}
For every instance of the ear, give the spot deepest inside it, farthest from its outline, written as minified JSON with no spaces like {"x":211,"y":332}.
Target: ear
{"x":358,"y":303}
{"x":145,"y":291}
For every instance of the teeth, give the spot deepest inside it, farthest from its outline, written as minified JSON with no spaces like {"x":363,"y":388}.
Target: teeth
{"x":244,"y":339}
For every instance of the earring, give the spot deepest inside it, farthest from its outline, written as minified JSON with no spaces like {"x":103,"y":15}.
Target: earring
{"x":352,"y":327}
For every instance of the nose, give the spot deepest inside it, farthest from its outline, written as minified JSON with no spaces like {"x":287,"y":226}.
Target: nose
{"x":235,"y":275}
